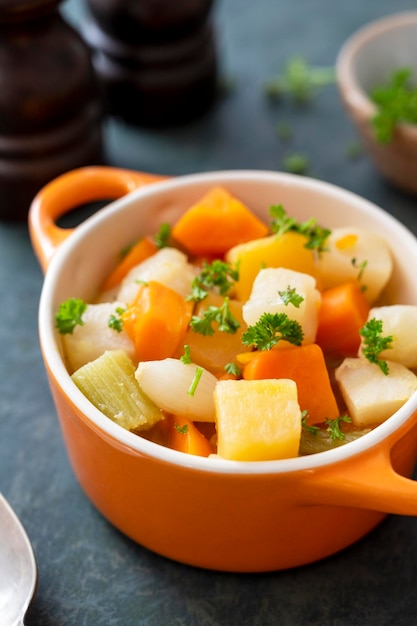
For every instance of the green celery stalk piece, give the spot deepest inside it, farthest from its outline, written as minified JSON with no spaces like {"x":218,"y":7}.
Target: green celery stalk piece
{"x":109,"y":383}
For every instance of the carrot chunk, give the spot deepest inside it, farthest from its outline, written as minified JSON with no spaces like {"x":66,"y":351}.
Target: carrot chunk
{"x":344,"y":310}
{"x":184,"y":436}
{"x":156,"y":321}
{"x":306,"y":366}
{"x":140,"y":251}
{"x":216,"y":223}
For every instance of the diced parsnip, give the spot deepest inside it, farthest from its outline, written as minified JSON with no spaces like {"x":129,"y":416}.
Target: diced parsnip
{"x":399,"y":321}
{"x":370,"y":395}
{"x":266,"y":299}
{"x":167,"y":266}
{"x":257,"y":420}
{"x":168,"y":382}
{"x":288,"y":251}
{"x":355,"y":254}
{"x":215,"y":351}
{"x":109,"y":383}
{"x":95,"y":336}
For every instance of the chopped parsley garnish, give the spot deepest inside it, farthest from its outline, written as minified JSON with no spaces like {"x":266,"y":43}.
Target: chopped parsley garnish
{"x":374,"y":343}
{"x":194,"y":383}
{"x":221,"y":315}
{"x":186,"y":357}
{"x":290,"y":296}
{"x":281,"y":223}
{"x":233,"y":369}
{"x":360,"y":266}
{"x":308,"y":427}
{"x":296,"y":163}
{"x":333,"y":426}
{"x":216,"y":274}
{"x":183,"y":430}
{"x":300,"y":80}
{"x":115,"y":320}
{"x":163,"y":236}
{"x":271,"y":328}
{"x":396,"y":102}
{"x":70,"y":315}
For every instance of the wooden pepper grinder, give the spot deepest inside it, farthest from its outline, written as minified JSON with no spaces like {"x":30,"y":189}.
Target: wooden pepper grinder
{"x":50,"y":115}
{"x":156,"y":58}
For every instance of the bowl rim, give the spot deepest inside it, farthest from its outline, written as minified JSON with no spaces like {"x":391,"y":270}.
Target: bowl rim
{"x":352,"y":47}
{"x":139,"y":445}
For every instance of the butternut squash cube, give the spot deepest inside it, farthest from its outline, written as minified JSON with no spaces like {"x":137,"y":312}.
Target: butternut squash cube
{"x":286,"y":251}
{"x":257,"y":420}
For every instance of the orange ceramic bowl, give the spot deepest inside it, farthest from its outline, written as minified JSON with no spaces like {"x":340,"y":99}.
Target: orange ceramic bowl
{"x":223,"y":515}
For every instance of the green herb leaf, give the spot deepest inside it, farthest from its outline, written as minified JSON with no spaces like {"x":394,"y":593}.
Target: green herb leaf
{"x":374,"y":343}
{"x":186,"y":357}
{"x":194,"y":384}
{"x":333,"y":426}
{"x":183,"y":430}
{"x":162,"y":237}
{"x":300,"y":80}
{"x":396,"y":102}
{"x":218,"y":274}
{"x":296,"y":163}
{"x":69,"y":315}
{"x":271,"y":328}
{"x":115,"y":321}
{"x":232,"y":368}
{"x":222,"y":315}
{"x":315,"y":234}
{"x":290,"y":296}
{"x":307,"y":427}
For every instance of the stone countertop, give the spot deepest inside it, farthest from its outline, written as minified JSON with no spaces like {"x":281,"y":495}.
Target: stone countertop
{"x":89,"y":573}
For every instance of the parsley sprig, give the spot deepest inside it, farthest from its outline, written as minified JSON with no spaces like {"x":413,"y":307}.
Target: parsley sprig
{"x":290,"y":296}
{"x":374,"y":343}
{"x":397,"y":102}
{"x":163,"y":236}
{"x":271,"y":328}
{"x":218,"y":274}
{"x":115,"y":320}
{"x":282,"y":223}
{"x":333,"y":426}
{"x":221,"y":315}
{"x":69,"y":315}
{"x":300,"y":80}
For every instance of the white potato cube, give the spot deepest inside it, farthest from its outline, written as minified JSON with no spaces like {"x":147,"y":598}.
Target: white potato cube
{"x":400,"y":322}
{"x":370,"y":395}
{"x":265,"y":298}
{"x":354,"y":254}
{"x":94,"y":337}
{"x":168,"y":383}
{"x":168,"y":266}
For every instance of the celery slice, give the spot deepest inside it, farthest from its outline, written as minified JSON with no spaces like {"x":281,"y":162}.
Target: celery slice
{"x":109,"y":383}
{"x":321,"y":440}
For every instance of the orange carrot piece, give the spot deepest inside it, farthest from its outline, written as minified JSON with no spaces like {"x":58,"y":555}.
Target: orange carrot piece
{"x":186,"y":437}
{"x":156,"y":321}
{"x":216,"y":223}
{"x":344,"y":310}
{"x":140,"y":251}
{"x":306,"y":366}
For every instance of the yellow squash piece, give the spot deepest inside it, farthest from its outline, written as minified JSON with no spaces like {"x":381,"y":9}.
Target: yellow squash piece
{"x":287,"y":251}
{"x":257,"y":420}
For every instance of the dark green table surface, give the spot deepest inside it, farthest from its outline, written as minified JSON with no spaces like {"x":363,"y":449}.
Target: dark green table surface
{"x":89,"y":574}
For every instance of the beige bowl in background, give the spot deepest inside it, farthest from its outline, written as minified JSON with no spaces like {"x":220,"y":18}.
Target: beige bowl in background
{"x":366,"y":61}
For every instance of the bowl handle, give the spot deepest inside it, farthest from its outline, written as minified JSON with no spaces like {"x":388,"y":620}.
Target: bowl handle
{"x":369,"y":480}
{"x":71,"y":190}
